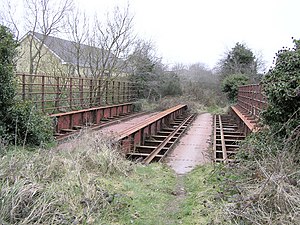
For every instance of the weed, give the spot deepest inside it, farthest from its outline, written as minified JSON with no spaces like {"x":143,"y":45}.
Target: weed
{"x":269,"y":190}
{"x":205,"y":196}
{"x":58,"y":186}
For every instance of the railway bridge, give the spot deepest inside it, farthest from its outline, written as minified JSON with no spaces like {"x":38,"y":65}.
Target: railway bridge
{"x":109,"y":106}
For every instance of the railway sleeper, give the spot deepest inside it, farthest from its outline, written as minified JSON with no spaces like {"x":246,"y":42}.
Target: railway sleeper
{"x":161,"y":138}
{"x":146,"y":149}
{"x":142,"y":154}
{"x":156,"y":143}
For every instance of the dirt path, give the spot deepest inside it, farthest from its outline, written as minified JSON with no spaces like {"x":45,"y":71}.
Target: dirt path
{"x":192,"y":148}
{"x":190,"y":152}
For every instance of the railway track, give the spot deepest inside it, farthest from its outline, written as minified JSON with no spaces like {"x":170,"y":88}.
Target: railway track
{"x":152,"y":139}
{"x":156,"y":147}
{"x":149,"y":140}
{"x":227,"y":138}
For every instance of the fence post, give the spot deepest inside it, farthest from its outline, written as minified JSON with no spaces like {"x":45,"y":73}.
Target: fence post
{"x":128,"y":93}
{"x":124,"y":91}
{"x":71,"y":93}
{"x":23,"y":87}
{"x":91,"y":92}
{"x":99,"y":91}
{"x":43,"y":93}
{"x":106,"y":92}
{"x":113,"y":92}
{"x":81,"y":92}
{"x":119,"y":86}
{"x":57,"y":94}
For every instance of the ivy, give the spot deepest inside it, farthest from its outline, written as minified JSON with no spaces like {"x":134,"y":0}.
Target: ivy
{"x":282,"y":88}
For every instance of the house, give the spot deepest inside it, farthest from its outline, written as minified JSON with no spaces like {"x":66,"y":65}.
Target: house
{"x":39,"y":53}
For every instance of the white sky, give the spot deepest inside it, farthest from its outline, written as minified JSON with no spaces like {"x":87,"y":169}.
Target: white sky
{"x":191,"y":31}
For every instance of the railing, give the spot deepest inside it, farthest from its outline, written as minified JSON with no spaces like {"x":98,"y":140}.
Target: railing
{"x":251,"y":99}
{"x":52,"y":94}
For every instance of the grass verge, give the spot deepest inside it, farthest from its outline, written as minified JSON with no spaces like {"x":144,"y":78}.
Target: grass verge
{"x":205,"y":196}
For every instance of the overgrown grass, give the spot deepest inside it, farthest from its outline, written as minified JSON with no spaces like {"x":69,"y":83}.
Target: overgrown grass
{"x":58,"y":187}
{"x":205,"y":196}
{"x":89,"y":182}
{"x":146,"y":191}
{"x":269,"y":190}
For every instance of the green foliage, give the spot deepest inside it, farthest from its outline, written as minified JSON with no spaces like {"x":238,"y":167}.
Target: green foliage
{"x":231,"y":84}
{"x":28,"y":126}
{"x":239,"y":60}
{"x":7,"y":78}
{"x":19,"y":122}
{"x":282,"y":88}
{"x":170,"y":85}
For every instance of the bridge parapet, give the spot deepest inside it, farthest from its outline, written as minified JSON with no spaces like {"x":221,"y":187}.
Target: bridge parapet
{"x":251,"y":102}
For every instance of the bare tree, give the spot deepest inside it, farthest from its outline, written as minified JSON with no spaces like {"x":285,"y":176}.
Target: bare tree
{"x":45,"y":17}
{"x":78,"y":26}
{"x":8,"y":17}
{"x":146,"y":69}
{"x":110,"y":41}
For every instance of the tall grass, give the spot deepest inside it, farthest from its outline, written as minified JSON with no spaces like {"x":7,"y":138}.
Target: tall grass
{"x":269,"y":190}
{"x":59,"y":186}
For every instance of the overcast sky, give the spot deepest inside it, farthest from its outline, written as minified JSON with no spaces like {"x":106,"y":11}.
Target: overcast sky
{"x":192,"y":31}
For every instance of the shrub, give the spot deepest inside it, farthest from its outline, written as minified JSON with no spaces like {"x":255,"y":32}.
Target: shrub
{"x":231,"y":84}
{"x":7,"y":78}
{"x":28,"y":126}
{"x":170,"y":85}
{"x":282,"y":88}
{"x":267,"y":191}
{"x":19,"y":122}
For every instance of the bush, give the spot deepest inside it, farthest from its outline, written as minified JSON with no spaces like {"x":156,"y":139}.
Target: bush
{"x":170,"y":85}
{"x":19,"y":122}
{"x":231,"y":83}
{"x":7,"y":78}
{"x":282,"y":88}
{"x":27,"y":126}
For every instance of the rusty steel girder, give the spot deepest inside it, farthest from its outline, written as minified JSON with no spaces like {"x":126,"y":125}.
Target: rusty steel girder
{"x":136,"y":135}
{"x":251,"y":101}
{"x":71,"y":121}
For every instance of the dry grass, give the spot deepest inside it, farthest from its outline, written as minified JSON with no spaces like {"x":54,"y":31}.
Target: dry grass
{"x":269,"y":190}
{"x":59,"y":186}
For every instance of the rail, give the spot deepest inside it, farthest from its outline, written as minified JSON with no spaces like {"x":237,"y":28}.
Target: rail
{"x":175,"y":134}
{"x":227,"y":137}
